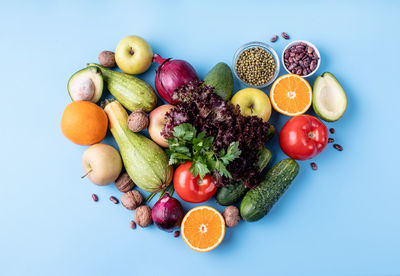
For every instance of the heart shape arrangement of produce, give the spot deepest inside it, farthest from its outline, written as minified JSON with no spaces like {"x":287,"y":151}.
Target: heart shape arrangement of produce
{"x":204,"y":142}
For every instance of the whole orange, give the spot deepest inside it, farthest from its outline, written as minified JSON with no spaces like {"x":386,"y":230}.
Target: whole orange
{"x":84,"y":123}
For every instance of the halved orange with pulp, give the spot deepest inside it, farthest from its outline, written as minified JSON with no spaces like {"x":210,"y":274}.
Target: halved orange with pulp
{"x":291,"y":95}
{"x":203,"y":228}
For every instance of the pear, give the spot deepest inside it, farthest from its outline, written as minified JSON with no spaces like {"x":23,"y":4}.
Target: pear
{"x":102,"y":164}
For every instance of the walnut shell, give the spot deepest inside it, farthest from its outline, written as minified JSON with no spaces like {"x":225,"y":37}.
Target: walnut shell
{"x":138,"y":120}
{"x":107,"y":59}
{"x":231,"y":216}
{"x":143,"y":216}
{"x":131,"y":200}
{"x":124,"y":183}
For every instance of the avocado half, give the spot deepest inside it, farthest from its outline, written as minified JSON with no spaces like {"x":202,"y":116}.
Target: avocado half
{"x":329,"y":98}
{"x":86,"y":85}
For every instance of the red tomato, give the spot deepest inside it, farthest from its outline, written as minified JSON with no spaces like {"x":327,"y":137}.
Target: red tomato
{"x":303,"y":137}
{"x":193,"y":189}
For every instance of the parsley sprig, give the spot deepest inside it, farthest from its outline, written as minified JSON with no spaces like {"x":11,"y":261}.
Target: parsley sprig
{"x":188,"y":145}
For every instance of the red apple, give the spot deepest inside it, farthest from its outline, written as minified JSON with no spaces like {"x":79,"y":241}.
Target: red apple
{"x":157,"y":122}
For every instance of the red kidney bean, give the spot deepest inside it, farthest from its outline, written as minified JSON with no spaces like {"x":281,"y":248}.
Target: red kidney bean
{"x":338,"y":147}
{"x":133,"y":224}
{"x":332,"y":130}
{"x":274,"y":38}
{"x":176,"y":234}
{"x":114,"y":199}
{"x":95,"y":197}
{"x":300,"y":59}
{"x":285,"y":35}
{"x":314,"y":166}
{"x":331,"y":140}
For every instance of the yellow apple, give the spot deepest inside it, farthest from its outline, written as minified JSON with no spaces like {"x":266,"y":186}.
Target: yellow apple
{"x":133,"y":55}
{"x":157,"y":122}
{"x":253,"y":102}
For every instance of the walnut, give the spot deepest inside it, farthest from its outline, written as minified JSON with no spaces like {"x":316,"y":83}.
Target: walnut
{"x":231,"y":215}
{"x":131,"y":200}
{"x":137,"y":120}
{"x":107,"y":59}
{"x":124,"y":183}
{"x":143,"y":216}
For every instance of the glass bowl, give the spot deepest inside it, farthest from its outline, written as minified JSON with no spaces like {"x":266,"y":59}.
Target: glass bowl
{"x":308,"y":44}
{"x":269,"y":49}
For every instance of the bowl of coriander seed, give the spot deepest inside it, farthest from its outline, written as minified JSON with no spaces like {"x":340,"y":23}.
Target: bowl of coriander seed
{"x":256,"y":64}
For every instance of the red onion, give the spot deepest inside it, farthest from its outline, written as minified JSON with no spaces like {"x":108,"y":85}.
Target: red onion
{"x":172,"y":74}
{"x":167,"y":213}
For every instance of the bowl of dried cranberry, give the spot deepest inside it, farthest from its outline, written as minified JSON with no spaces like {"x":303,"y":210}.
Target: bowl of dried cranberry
{"x":301,"y":57}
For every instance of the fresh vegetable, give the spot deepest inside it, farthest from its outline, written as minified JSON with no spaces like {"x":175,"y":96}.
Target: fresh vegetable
{"x":253,"y":102}
{"x":259,"y":201}
{"x":187,"y":145}
{"x":167,"y":213}
{"x":220,"y":77}
{"x":192,"y":188}
{"x":130,"y":91}
{"x":291,"y":95}
{"x":329,"y":98}
{"x":86,"y":85}
{"x":235,"y":190}
{"x":303,"y":137}
{"x":157,"y":122}
{"x":145,"y":162}
{"x":84,"y":123}
{"x":203,"y":228}
{"x":172,"y":74}
{"x":102,"y":164}
{"x":208,"y":112}
{"x":133,"y":55}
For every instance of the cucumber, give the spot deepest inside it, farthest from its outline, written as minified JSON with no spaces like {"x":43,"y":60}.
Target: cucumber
{"x":259,"y":201}
{"x":131,"y":92}
{"x":235,"y":190}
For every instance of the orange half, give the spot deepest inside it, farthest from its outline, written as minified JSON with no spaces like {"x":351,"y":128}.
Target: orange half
{"x":291,"y":95}
{"x":203,"y":228}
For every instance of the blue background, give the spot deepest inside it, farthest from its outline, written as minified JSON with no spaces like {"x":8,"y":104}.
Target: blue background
{"x":340,"y":220}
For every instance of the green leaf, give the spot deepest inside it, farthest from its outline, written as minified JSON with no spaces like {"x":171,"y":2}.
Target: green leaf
{"x":199,"y":168}
{"x":185,"y":132}
{"x":220,"y":167}
{"x":232,"y":153}
{"x":178,"y":158}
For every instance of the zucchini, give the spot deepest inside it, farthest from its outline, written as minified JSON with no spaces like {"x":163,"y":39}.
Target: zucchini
{"x":259,"y":201}
{"x":235,"y":190}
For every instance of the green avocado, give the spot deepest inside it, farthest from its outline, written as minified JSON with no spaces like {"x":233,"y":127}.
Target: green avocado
{"x":86,"y":85}
{"x":220,"y":77}
{"x":329,"y":98}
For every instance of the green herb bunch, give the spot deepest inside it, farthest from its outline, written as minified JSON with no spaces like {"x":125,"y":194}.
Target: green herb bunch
{"x":188,"y":145}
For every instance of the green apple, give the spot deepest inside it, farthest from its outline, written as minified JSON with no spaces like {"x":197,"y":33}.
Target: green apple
{"x":102,"y":164}
{"x":133,"y":55}
{"x":253,"y":102}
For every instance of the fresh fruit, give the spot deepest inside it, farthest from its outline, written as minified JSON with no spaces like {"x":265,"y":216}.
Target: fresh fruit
{"x":86,"y":85}
{"x":130,"y":91}
{"x":291,"y":95}
{"x":190,"y":188}
{"x":253,"y":102}
{"x":145,"y":162}
{"x":220,"y":77}
{"x":84,"y":123}
{"x":157,"y":122}
{"x":102,"y":164}
{"x":303,"y":137}
{"x":232,"y":192}
{"x":259,"y":201}
{"x":203,"y":228}
{"x":133,"y":55}
{"x":329,"y":98}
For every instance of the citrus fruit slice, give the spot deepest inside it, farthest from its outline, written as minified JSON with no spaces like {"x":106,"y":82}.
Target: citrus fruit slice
{"x":291,"y":95}
{"x":203,"y":228}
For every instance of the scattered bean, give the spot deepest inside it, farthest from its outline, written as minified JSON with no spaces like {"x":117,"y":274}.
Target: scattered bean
{"x":274,"y":38}
{"x":285,"y":35}
{"x":332,"y":130}
{"x":314,"y":166}
{"x":331,"y":140}
{"x":133,"y":224}
{"x":338,"y":147}
{"x":114,"y":199}
{"x":95,"y":197}
{"x":176,"y":234}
